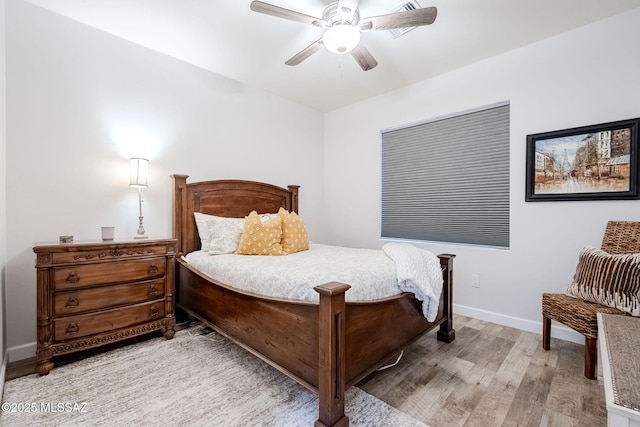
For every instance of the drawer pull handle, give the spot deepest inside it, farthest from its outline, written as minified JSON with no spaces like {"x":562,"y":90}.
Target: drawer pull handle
{"x":73,"y":277}
{"x":72,"y":302}
{"x":72,"y":329}
{"x":153,"y":311}
{"x":152,"y":291}
{"x":153,"y":270}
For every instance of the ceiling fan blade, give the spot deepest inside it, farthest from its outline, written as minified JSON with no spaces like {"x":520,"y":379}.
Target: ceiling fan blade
{"x":363,"y":57}
{"x":410,"y":18}
{"x":305,"y":53}
{"x":281,"y":12}
{"x":347,"y":8}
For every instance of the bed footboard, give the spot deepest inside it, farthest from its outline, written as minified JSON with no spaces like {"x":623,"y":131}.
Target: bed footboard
{"x":349,"y":351}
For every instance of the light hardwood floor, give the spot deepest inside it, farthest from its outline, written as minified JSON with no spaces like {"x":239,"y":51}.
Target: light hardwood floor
{"x":491,"y":375}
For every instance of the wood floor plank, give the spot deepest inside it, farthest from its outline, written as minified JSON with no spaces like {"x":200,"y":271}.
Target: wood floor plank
{"x":551,"y":418}
{"x":461,"y":401}
{"x":528,"y":406}
{"x":426,"y":349}
{"x":427,"y":403}
{"x":383,"y":381}
{"x":492,"y":375}
{"x":593,"y":411}
{"x":494,"y":408}
{"x":565,"y":394}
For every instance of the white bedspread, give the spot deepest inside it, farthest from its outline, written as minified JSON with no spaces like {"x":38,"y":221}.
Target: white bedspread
{"x":371,"y":273}
{"x":419,"y":272}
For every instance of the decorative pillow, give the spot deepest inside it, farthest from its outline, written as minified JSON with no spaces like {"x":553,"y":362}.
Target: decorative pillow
{"x":611,"y":280}
{"x":218,"y":235}
{"x":294,"y":233}
{"x":261,"y":238}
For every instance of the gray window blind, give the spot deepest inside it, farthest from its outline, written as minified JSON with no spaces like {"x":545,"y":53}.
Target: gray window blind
{"x":447,"y":180}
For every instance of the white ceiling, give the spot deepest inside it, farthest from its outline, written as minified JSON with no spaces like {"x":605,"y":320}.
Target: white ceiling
{"x":228,"y":38}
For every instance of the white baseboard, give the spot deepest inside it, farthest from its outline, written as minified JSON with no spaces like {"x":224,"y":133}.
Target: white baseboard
{"x":557,"y":330}
{"x":21,"y":352}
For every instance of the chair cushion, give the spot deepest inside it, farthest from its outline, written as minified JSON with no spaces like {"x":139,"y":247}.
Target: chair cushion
{"x":576,"y":313}
{"x":611,"y":280}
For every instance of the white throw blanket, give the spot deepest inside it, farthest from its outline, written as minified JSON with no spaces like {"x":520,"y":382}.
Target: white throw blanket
{"x":419,"y":272}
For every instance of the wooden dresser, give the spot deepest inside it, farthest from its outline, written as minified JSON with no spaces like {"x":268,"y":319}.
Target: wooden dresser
{"x":95,"y":293}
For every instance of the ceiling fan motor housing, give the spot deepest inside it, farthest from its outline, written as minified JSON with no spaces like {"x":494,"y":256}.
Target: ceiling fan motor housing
{"x":332,"y":16}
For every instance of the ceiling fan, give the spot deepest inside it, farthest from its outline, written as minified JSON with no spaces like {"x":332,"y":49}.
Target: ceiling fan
{"x":342,"y":24}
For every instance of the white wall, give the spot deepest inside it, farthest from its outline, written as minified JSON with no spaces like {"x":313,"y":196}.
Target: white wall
{"x":80,"y":102}
{"x":583,"y":77}
{"x":3,"y":197}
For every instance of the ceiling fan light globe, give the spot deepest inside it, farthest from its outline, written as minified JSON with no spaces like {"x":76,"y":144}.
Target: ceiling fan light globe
{"x":341,"y":38}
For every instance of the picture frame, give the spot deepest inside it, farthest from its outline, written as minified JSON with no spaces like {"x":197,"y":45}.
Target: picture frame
{"x":596,"y":162}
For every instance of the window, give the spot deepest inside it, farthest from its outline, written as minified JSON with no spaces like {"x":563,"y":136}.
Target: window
{"x":447,"y":179}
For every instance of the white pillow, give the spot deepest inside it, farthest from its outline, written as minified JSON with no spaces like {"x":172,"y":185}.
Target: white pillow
{"x":219,"y":235}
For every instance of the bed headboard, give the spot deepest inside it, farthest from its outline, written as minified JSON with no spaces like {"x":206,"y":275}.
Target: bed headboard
{"x":228,"y":198}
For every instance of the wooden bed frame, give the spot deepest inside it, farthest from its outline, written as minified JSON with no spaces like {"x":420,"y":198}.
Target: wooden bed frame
{"x":326,"y":346}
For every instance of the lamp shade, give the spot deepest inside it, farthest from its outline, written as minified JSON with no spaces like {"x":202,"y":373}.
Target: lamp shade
{"x":341,"y":38}
{"x":139,"y":169}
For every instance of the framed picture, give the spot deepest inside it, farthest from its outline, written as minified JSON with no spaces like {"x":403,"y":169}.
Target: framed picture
{"x":597,"y":162}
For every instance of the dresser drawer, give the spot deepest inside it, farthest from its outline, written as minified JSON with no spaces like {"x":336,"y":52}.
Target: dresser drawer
{"x":83,"y":300}
{"x":68,"y":328}
{"x":107,"y":272}
{"x":106,"y":253}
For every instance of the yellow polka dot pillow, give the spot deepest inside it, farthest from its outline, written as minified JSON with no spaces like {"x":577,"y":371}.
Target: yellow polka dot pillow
{"x":294,"y":233}
{"x":261,"y":238}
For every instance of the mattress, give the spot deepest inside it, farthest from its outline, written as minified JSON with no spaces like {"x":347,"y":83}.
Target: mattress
{"x":371,"y":273}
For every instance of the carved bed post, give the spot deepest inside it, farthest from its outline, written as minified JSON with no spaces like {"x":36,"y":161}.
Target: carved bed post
{"x":331,"y":357}
{"x":294,"y":198}
{"x":446,"y":332}
{"x":179,"y":195}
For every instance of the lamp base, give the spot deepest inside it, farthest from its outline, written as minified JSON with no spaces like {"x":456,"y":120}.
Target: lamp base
{"x":140,"y":234}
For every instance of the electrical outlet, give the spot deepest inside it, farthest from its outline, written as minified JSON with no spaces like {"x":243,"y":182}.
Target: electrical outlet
{"x":475,"y":281}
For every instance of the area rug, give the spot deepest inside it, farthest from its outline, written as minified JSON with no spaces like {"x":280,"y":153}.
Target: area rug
{"x":198,"y":378}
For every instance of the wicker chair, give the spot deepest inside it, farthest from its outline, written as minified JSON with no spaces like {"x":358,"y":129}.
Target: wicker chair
{"x":620,"y":237}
